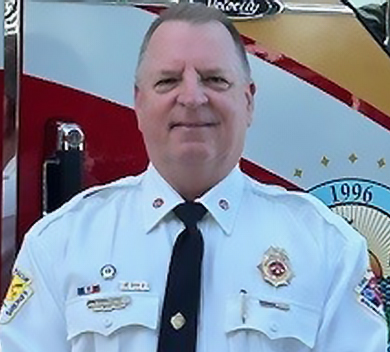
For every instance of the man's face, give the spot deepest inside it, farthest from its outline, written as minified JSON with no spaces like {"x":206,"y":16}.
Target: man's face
{"x":192,"y":99}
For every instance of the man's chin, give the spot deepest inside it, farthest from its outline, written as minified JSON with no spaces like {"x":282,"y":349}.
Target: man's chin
{"x":196,"y":156}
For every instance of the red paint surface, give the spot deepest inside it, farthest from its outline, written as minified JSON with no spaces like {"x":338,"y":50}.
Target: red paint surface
{"x":114,"y":145}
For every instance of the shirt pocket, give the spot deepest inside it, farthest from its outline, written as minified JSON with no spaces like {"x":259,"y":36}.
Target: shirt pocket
{"x":272,"y":325}
{"x":103,"y":322}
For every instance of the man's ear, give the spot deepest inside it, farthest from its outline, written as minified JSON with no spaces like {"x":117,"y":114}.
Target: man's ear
{"x":136,"y":92}
{"x":250,"y":97}
{"x":137,"y":103}
{"x":137,"y":98}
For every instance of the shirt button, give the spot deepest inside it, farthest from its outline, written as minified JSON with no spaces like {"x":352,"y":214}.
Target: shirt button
{"x":157,"y":203}
{"x":107,"y":323}
{"x":274,"y":327}
{"x":223,"y":204}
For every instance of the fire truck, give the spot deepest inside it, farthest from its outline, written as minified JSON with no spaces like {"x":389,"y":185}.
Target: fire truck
{"x":322,"y":115}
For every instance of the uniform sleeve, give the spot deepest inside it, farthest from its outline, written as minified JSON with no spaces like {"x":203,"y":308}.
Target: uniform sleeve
{"x":32,"y":318}
{"x":352,"y":320}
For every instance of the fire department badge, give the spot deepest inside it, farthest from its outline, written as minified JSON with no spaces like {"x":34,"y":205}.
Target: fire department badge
{"x":276,"y":267}
{"x":18,"y":294}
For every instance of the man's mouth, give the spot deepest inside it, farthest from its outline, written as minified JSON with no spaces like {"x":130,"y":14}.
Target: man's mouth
{"x":173,"y":125}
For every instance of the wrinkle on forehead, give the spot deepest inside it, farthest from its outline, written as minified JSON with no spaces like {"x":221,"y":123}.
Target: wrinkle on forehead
{"x":182,"y":43}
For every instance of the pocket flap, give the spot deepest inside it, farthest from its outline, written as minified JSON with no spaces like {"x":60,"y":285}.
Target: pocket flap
{"x":273,"y":318}
{"x":107,"y":313}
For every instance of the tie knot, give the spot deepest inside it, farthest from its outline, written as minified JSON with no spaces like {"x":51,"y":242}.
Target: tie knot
{"x":190,"y":213}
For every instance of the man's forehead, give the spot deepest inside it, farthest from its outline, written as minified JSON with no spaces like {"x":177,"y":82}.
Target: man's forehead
{"x":175,"y":41}
{"x":172,"y":30}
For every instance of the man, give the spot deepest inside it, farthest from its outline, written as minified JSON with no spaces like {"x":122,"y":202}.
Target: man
{"x":280,"y":272}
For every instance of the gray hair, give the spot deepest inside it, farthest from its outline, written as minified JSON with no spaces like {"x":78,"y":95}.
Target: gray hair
{"x":196,"y":13}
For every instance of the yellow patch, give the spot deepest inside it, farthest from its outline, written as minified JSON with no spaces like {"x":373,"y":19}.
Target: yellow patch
{"x":18,"y":293}
{"x":18,"y":285}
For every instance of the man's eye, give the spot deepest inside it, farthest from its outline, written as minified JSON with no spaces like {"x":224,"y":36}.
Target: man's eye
{"x":217,"y":82}
{"x":165,"y":84}
{"x":166,"y":81}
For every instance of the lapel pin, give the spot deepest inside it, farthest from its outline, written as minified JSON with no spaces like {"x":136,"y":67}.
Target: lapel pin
{"x":108,"y":272}
{"x":88,"y":290}
{"x":134,"y":286}
{"x":108,"y":304}
{"x":158,"y":203}
{"x":276,"y":268}
{"x":277,"y":305}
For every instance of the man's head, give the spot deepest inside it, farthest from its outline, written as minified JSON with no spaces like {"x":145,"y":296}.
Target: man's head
{"x":195,"y":14}
{"x":193,"y":96}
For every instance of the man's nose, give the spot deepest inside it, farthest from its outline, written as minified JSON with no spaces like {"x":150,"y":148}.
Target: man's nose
{"x":192,"y":92}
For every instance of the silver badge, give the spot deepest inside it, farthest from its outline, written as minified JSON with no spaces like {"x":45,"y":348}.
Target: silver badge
{"x":134,"y":286}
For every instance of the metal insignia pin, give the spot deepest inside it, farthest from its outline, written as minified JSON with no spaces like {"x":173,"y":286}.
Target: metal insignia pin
{"x":88,"y":290}
{"x":178,"y":321}
{"x":276,"y":267}
{"x":108,"y":304}
{"x":108,"y":272}
{"x":134,"y":286}
{"x":157,"y":203}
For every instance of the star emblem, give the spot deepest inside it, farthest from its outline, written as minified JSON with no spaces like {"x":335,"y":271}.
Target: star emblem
{"x":381,"y":163}
{"x":325,"y":161}
{"x":298,"y":173}
{"x":353,"y":158}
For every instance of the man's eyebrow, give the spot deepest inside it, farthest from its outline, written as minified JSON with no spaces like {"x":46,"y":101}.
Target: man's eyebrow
{"x":169,"y":72}
{"x":213,"y":72}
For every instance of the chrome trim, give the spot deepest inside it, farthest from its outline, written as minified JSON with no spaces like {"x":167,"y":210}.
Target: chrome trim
{"x":317,"y":8}
{"x":69,"y":136}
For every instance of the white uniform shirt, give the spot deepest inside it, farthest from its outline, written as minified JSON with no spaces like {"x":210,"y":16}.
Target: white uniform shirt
{"x":129,"y":225}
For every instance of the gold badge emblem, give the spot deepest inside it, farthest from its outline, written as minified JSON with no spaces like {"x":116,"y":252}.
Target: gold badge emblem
{"x":276,"y":267}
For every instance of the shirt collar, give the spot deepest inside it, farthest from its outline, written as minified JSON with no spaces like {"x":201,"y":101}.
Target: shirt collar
{"x":222,"y":201}
{"x":159,"y":198}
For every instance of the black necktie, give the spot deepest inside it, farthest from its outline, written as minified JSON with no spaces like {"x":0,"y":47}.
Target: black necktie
{"x":179,"y":319}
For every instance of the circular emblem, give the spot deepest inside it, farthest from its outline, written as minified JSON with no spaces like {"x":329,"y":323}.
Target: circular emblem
{"x":108,"y":272}
{"x":223,"y":204}
{"x":365,"y":205}
{"x":157,"y":203}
